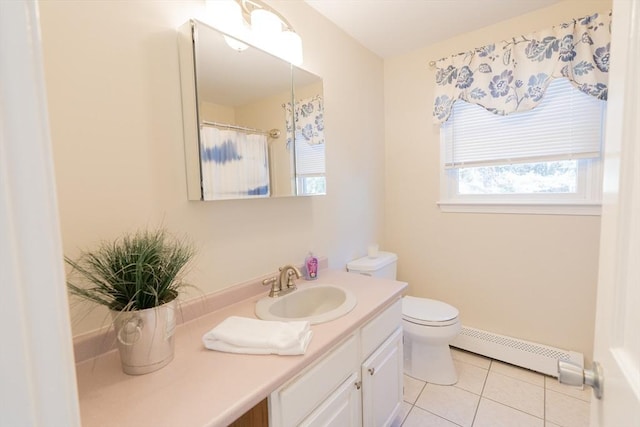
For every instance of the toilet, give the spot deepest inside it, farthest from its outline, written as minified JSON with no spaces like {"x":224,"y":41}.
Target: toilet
{"x":428,"y":325}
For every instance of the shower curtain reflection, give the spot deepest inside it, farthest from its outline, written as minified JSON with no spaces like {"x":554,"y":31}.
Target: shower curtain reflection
{"x":234,"y":164}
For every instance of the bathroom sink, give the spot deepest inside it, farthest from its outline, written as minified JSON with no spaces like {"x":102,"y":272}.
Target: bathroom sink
{"x":316,"y":303}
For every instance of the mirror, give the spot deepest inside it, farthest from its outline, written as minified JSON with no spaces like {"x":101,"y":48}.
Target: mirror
{"x":253,"y":124}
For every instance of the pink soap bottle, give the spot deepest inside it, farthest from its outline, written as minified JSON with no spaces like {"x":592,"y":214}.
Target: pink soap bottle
{"x":311,"y":265}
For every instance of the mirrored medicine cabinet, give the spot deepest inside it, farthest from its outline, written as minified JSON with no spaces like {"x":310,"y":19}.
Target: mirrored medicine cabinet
{"x":253,"y":123}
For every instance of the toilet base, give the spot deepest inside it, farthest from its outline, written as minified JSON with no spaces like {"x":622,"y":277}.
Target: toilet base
{"x":432,"y":364}
{"x":427,"y":355}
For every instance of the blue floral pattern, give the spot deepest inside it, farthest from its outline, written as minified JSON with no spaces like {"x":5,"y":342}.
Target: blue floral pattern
{"x":500,"y":84}
{"x":535,"y":89}
{"x":443,"y":106}
{"x":514,"y":74}
{"x":465,"y":78}
{"x":601,"y":58}
{"x":308,"y":115}
{"x":566,"y":51}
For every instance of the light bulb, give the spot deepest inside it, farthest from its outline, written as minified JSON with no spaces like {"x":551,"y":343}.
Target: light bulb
{"x":265,"y":23}
{"x":225,"y":15}
{"x":290,"y":47}
{"x":235,"y":44}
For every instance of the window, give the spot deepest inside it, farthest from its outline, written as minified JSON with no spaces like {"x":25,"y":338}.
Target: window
{"x":310,"y":167}
{"x":545,"y":160}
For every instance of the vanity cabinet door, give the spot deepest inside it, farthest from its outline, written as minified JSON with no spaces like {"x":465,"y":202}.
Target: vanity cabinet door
{"x":358,"y":383}
{"x":382,"y":383}
{"x":302,"y":396}
{"x":341,"y":409}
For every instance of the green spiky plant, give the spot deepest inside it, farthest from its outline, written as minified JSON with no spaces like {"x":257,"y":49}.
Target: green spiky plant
{"x":136,"y":272}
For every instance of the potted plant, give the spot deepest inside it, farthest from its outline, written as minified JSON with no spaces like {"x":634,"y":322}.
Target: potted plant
{"x":138,"y":278}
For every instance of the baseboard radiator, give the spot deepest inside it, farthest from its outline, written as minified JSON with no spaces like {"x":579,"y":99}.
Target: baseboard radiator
{"x":529,"y":355}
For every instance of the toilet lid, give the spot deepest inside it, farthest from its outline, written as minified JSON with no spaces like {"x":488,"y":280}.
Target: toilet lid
{"x":430,"y":310}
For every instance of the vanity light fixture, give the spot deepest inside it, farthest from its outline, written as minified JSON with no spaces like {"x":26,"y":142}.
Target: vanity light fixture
{"x":235,"y":44}
{"x":256,"y":23}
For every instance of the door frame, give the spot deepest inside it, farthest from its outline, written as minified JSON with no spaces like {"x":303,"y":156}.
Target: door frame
{"x":36,"y":362}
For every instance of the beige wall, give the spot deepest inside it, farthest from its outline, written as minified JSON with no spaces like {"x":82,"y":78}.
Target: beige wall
{"x":527,"y":276}
{"x":114,"y":97}
{"x":217,"y":113}
{"x":113,"y":89}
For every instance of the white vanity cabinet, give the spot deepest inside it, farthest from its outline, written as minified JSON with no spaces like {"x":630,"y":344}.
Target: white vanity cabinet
{"x":358,"y":383}
{"x":341,"y":408}
{"x":329,"y":384}
{"x":382,"y":383}
{"x":382,"y":365}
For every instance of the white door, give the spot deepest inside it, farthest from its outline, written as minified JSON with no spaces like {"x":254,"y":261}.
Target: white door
{"x":617,"y":339}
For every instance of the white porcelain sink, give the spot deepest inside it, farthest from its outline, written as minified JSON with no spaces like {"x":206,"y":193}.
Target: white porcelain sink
{"x":316,"y":303}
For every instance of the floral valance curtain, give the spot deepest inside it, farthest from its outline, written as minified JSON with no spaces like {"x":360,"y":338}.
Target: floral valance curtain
{"x":513,"y":75}
{"x":308,"y":116}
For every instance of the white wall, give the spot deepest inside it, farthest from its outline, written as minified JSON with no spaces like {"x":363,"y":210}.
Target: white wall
{"x":112,"y":77}
{"x":528,"y":276}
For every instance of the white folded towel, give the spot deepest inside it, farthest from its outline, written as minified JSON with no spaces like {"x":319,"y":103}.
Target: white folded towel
{"x":252,"y":336}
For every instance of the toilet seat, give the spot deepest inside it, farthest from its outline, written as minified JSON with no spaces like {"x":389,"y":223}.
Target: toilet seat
{"x":416,"y":310}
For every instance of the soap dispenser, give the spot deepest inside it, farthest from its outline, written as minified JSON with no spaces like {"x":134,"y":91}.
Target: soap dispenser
{"x":311,"y":265}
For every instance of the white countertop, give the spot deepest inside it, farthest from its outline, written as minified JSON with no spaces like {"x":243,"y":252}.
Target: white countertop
{"x":201,"y":387}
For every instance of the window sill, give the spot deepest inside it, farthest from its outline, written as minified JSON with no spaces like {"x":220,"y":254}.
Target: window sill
{"x":535,"y":208}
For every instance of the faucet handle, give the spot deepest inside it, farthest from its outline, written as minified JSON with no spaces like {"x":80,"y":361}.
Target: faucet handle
{"x":275,"y":286}
{"x":290,"y":280}
{"x":270,"y":281}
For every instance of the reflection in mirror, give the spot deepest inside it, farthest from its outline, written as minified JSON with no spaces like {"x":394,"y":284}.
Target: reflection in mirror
{"x":236,"y":109}
{"x":308,"y":135}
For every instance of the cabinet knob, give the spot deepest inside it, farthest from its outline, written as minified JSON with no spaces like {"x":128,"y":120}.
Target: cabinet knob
{"x":358,"y":384}
{"x":372,"y":371}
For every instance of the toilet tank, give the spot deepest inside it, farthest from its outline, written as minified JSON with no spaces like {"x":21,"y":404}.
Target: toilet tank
{"x":384,"y":265}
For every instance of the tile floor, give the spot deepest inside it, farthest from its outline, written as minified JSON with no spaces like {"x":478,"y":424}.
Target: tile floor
{"x":490,"y":393}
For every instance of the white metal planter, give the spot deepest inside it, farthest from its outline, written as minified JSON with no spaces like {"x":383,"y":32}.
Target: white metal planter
{"x":145,"y":337}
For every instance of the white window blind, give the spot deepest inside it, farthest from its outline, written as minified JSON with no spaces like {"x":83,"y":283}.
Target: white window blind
{"x":309,"y":157}
{"x":567,"y":124}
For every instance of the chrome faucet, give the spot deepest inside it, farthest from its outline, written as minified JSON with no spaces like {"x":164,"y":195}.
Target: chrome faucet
{"x":285,"y":282}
